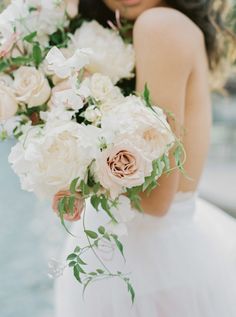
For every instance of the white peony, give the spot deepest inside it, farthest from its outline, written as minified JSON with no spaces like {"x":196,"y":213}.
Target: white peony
{"x":148,"y":130}
{"x":64,"y":67}
{"x":8,"y":103}
{"x":31,"y":87}
{"x":47,"y":160}
{"x":111,"y":57}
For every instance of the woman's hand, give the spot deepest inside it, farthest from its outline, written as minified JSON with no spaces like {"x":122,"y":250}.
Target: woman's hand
{"x":72,"y":7}
{"x":78,"y":205}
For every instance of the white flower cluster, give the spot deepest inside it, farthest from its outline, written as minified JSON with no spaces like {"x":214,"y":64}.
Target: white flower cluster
{"x":118,"y":145}
{"x":111,"y":57}
{"x":23,"y":17}
{"x":48,"y":159}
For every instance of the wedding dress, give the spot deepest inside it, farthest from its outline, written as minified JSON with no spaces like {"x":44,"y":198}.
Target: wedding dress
{"x":181,"y":265}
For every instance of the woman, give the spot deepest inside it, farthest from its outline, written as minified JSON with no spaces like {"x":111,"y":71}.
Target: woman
{"x":178,"y":268}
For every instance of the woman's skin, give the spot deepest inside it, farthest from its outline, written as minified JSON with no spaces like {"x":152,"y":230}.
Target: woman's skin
{"x":171,"y":58}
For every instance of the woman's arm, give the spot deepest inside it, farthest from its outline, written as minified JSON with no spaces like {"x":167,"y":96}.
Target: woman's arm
{"x":166,"y":43}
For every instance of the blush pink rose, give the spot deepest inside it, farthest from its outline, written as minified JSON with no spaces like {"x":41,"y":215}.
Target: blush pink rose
{"x":78,"y":205}
{"x":122,"y":166}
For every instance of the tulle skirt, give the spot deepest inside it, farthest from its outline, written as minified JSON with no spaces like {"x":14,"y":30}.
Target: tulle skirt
{"x":180,"y":265}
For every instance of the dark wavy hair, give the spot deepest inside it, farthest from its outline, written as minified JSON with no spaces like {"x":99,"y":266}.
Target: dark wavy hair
{"x":211,"y":16}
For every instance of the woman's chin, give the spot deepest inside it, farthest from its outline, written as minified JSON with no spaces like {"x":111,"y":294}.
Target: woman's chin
{"x":131,"y":9}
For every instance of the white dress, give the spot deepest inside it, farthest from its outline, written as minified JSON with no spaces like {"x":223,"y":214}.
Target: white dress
{"x":181,"y":265}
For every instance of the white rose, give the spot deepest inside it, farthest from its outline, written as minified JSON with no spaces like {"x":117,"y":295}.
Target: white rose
{"x":31,"y":87}
{"x":6,"y":80}
{"x":8,"y":103}
{"x":112,"y":56}
{"x":122,"y":166}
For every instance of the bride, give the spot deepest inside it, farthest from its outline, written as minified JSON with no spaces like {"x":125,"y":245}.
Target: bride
{"x":179,"y":266}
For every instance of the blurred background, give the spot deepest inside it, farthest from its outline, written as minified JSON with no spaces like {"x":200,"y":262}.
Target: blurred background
{"x":31,"y":235}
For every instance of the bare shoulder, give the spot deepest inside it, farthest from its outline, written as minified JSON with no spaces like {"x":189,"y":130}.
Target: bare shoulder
{"x":168,"y":26}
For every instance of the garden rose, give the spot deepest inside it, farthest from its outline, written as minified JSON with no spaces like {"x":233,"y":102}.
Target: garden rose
{"x":6,"y":80}
{"x":8,"y":103}
{"x":122,"y":166}
{"x":31,"y":87}
{"x":78,"y":205}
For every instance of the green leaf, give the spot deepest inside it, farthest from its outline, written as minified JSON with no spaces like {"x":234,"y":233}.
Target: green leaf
{"x":3,"y":65}
{"x":166,"y":161}
{"x":160,"y":167}
{"x":62,"y":211}
{"x":86,"y":285}
{"x":71,"y":264}
{"x":61,"y":207}
{"x":80,"y":269}
{"x":37,"y":55}
{"x":3,"y":135}
{"x":95,"y":201}
{"x":77,"y":274}
{"x":146,"y":96}
{"x":73,"y":185}
{"x":84,"y":188}
{"x":100,"y":271}
{"x":107,"y":237}
{"x":118,"y":244}
{"x":71,"y":204}
{"x":91,"y":234}
{"x":106,"y":208}
{"x":131,"y":291}
{"x":80,"y":261}
{"x":96,"y":187}
{"x":93,"y":273}
{"x":101,"y":230}
{"x":30,"y":37}
{"x":21,"y":60}
{"x":77,"y":249}
{"x":72,"y":256}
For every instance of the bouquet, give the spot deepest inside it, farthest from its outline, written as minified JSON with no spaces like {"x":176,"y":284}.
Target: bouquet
{"x":77,"y":139}
{"x":91,"y":147}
